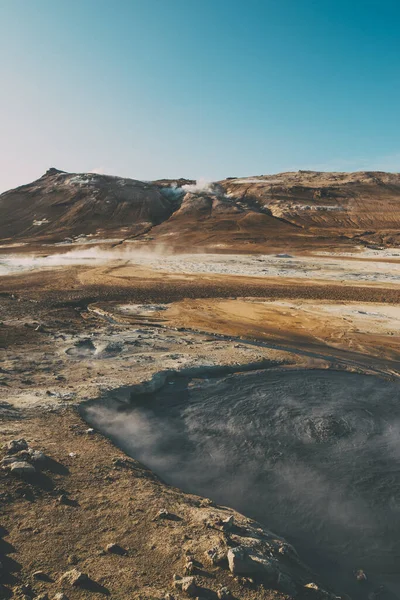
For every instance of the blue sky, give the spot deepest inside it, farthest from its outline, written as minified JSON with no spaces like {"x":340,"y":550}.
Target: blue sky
{"x":198,"y":88}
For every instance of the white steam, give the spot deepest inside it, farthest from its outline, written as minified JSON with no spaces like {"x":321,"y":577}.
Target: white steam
{"x":202,"y":186}
{"x":314,"y":455}
{"x":95,"y":255}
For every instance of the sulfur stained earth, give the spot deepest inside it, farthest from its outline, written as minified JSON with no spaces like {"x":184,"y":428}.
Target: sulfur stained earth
{"x":74,"y":334}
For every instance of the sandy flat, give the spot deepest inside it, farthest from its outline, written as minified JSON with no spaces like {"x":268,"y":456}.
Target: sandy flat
{"x":318,"y":268}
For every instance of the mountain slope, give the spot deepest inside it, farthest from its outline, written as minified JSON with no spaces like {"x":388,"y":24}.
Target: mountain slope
{"x":60,"y":205}
{"x":306,"y":209}
{"x":216,"y":221}
{"x":364,"y":204}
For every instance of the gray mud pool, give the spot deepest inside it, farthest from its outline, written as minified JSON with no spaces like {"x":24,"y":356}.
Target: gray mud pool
{"x":313,"y":455}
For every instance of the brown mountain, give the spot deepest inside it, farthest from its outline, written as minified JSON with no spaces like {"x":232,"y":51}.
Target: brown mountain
{"x":363,"y":204}
{"x":305,"y":209}
{"x":61,"y":205}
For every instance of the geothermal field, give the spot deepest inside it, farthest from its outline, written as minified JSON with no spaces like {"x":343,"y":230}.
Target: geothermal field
{"x":200,"y":387}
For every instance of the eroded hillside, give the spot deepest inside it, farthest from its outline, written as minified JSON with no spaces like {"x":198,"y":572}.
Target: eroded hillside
{"x":63,"y":205}
{"x":302,"y":210}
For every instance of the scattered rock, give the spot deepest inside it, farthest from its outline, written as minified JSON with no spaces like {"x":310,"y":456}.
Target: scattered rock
{"x":243,"y":561}
{"x":42,"y":597}
{"x":40,"y":575}
{"x":60,"y":596}
{"x":63,"y":499}
{"x":189,"y":586}
{"x":189,"y":568}
{"x":206,"y":503}
{"x":75,"y":578}
{"x":287,"y":550}
{"x":312,"y":586}
{"x":163,"y":513}
{"x":186,"y":584}
{"x":89,"y":431}
{"x":7,"y":461}
{"x":115,"y":549}
{"x":360,"y":575}
{"x":223,"y":593}
{"x":37,"y":457}
{"x":227,"y":524}
{"x":15,"y":446}
{"x":22,"y":455}
{"x":22,"y":468}
{"x":318,"y":593}
{"x":216,"y":555}
{"x":246,"y":581}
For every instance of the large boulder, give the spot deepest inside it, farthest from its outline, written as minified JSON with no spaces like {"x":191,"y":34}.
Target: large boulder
{"x":22,"y":468}
{"x":245,"y":561}
{"x":186,"y":584}
{"x":14,"y":446}
{"x":37,"y":457}
{"x":75,"y":578}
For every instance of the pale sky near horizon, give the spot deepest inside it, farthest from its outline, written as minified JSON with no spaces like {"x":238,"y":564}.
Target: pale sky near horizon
{"x":198,"y":88}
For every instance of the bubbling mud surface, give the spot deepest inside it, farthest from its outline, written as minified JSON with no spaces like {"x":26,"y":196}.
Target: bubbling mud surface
{"x":315,"y":455}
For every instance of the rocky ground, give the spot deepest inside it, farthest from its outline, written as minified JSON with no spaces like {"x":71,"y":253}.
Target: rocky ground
{"x":90,"y":522}
{"x":81,"y":519}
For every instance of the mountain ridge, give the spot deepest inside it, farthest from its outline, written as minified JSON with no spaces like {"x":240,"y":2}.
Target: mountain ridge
{"x":291,"y":209}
